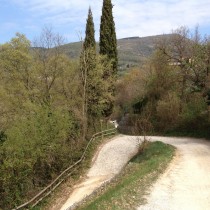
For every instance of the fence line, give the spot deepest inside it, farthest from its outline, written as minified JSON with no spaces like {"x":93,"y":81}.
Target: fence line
{"x":64,"y":175}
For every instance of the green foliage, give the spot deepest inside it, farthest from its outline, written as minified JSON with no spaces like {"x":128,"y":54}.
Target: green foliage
{"x":37,"y":148}
{"x":15,"y":77}
{"x":194,"y":119}
{"x":175,"y":87}
{"x":162,"y":77}
{"x":177,"y":117}
{"x":48,"y":103}
{"x":168,"y":110}
{"x":95,"y":89}
{"x":98,"y":89}
{"x":89,"y":77}
{"x":130,"y":89}
{"x":108,"y":41}
{"x":40,"y":116}
{"x":108,"y":47}
{"x":3,"y":137}
{"x":131,"y":52}
{"x":15,"y":59}
{"x":194,"y":107}
{"x":89,"y":41}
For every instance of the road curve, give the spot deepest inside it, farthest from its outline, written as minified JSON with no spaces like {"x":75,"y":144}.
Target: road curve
{"x":185,"y":185}
{"x":109,"y":161}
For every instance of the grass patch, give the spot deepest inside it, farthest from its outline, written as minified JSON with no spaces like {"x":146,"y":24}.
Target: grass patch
{"x":130,"y":187}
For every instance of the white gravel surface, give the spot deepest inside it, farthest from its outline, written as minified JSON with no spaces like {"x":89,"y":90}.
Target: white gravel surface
{"x":184,"y":186}
{"x":186,"y":183}
{"x":109,"y":161}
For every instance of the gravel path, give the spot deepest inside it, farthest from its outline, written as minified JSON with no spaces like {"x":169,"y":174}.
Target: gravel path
{"x":186,"y":183}
{"x":184,"y":186}
{"x":109,"y":161}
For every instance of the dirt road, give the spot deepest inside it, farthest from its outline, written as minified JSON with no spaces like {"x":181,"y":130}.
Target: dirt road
{"x":186,"y":183}
{"x":108,"y":162}
{"x":184,"y":186}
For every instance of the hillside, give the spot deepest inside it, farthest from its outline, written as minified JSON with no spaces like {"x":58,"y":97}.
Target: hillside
{"x":132,"y":50}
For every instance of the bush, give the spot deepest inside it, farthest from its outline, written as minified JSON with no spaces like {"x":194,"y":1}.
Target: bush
{"x":194,"y":108}
{"x":168,"y":112}
{"x":36,"y":150}
{"x":194,"y":119}
{"x":2,"y":137}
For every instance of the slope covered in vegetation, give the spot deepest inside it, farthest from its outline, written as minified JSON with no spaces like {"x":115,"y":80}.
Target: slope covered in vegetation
{"x":171,"y":92}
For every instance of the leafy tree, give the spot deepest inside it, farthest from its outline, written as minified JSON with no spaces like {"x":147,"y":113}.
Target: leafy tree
{"x":188,"y":55}
{"x":35,"y":150}
{"x":16,"y":79}
{"x":177,"y":85}
{"x":39,"y":124}
{"x":130,"y":90}
{"x":50,"y":63}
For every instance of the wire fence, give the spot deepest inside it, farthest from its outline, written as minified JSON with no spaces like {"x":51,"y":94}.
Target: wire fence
{"x":64,"y":175}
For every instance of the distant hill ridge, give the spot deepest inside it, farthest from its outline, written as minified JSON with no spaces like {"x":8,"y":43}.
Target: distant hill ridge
{"x":127,"y":38}
{"x":132,"y":51}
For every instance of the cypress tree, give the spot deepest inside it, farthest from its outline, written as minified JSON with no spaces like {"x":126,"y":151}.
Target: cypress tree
{"x":108,"y":40}
{"x":89,"y":76}
{"x":108,"y":47}
{"x":89,"y":41}
{"x":89,"y":50}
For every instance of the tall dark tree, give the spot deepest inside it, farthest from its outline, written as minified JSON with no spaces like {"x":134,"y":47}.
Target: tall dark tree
{"x":108,"y":47}
{"x":91,"y":78}
{"x":89,"y":41}
{"x":108,"y":41}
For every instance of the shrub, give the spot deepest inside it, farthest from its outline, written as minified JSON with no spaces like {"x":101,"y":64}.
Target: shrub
{"x":194,"y":119}
{"x":37,"y":148}
{"x":168,"y":111}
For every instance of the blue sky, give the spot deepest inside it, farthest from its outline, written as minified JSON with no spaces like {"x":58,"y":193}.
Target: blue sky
{"x":132,"y":17}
